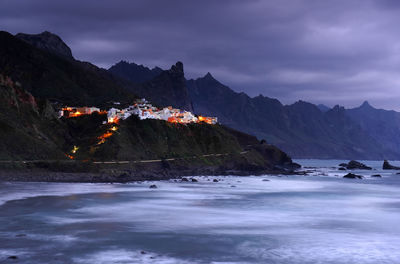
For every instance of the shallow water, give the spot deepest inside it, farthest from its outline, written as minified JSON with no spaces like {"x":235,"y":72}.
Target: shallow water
{"x":321,"y":218}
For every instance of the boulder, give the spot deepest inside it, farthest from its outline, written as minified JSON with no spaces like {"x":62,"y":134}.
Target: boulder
{"x":153,"y":186}
{"x":194,"y":180}
{"x":355,"y":165}
{"x":386,"y":166}
{"x":215,"y":180}
{"x":352,"y":176}
{"x":185,"y":180}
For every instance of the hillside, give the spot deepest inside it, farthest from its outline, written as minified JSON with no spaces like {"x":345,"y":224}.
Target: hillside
{"x":36,"y":141}
{"x":48,"y":75}
{"x":29,"y":130}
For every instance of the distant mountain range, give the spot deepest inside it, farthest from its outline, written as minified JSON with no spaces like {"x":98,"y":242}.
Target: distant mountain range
{"x":45,"y":67}
{"x":303,"y":130}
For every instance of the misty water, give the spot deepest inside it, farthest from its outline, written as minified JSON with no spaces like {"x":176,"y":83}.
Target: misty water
{"x":320,"y":218}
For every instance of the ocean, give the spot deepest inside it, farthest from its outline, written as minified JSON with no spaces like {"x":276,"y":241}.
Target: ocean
{"x":319,"y":218}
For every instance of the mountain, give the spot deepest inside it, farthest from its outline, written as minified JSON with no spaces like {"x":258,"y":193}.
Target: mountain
{"x":32,"y":74}
{"x":28,"y":128}
{"x":323,"y":107}
{"x":32,"y":132}
{"x":48,"y":75}
{"x":381,"y":125}
{"x":133,"y":72}
{"x":301,"y":129}
{"x":47,"y":41}
{"x":166,"y":88}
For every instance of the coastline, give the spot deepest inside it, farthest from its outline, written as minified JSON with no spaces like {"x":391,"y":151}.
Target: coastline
{"x":122,"y":176}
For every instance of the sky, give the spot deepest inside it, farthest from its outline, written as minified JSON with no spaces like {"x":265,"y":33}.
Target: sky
{"x":331,"y":52}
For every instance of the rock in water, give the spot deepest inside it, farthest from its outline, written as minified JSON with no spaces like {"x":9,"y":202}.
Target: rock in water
{"x":194,"y":180}
{"x":153,"y":186}
{"x":386,"y":166}
{"x":215,"y":180}
{"x":352,"y":176}
{"x":184,"y":180}
{"x":355,"y":165}
{"x":376,"y":176}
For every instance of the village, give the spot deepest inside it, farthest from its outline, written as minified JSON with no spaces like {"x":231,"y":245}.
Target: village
{"x":143,"y":110}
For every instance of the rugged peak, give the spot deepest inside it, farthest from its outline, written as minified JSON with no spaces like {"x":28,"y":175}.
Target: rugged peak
{"x":366,"y":105}
{"x":47,"y":41}
{"x":209,"y":76}
{"x":178,"y":67}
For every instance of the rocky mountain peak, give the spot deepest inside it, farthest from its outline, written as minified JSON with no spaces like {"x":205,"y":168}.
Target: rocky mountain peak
{"x":177,"y":68}
{"x":366,"y":105}
{"x":208,"y":76}
{"x":47,"y":41}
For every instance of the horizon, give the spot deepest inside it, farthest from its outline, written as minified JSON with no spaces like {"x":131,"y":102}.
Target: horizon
{"x":341,"y":53}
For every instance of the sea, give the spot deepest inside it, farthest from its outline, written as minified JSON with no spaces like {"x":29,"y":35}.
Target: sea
{"x":317,"y":218}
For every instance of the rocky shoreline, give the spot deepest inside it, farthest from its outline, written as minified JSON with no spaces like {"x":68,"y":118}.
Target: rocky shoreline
{"x":120,"y":173}
{"x":121,"y":177}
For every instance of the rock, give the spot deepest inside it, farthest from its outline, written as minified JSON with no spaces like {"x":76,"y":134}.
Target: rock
{"x":352,"y":176}
{"x":386,"y":166}
{"x":184,"y":180}
{"x":49,"y":42}
{"x":153,"y":186}
{"x":12,"y":257}
{"x":233,"y":186}
{"x":376,"y":176}
{"x":194,"y":180}
{"x":143,"y":252}
{"x":215,"y":180}
{"x":355,"y":165}
{"x":265,"y":180}
{"x":342,"y":169}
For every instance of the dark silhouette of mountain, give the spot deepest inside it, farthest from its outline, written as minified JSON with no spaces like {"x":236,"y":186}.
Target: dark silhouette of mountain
{"x":168,"y":88}
{"x":323,"y":107}
{"x":47,"y":41}
{"x":381,"y":125}
{"x":300,"y":129}
{"x":47,"y":75}
{"x":134,"y":72}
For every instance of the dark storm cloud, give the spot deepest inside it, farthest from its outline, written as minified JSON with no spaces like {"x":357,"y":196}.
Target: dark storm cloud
{"x":321,"y":51}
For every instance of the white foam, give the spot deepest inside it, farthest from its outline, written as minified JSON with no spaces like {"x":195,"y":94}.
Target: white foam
{"x":121,"y":256}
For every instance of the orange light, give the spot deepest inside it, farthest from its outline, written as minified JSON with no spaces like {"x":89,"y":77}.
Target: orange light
{"x":105,"y":135}
{"x":114,"y":120}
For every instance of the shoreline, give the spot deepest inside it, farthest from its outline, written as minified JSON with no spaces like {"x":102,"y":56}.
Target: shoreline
{"x":123,"y":176}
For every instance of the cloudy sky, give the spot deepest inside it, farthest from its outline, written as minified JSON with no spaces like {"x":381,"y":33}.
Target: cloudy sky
{"x":332,"y":52}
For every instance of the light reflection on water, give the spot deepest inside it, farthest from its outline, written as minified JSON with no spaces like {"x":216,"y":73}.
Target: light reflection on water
{"x":298,"y":219}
